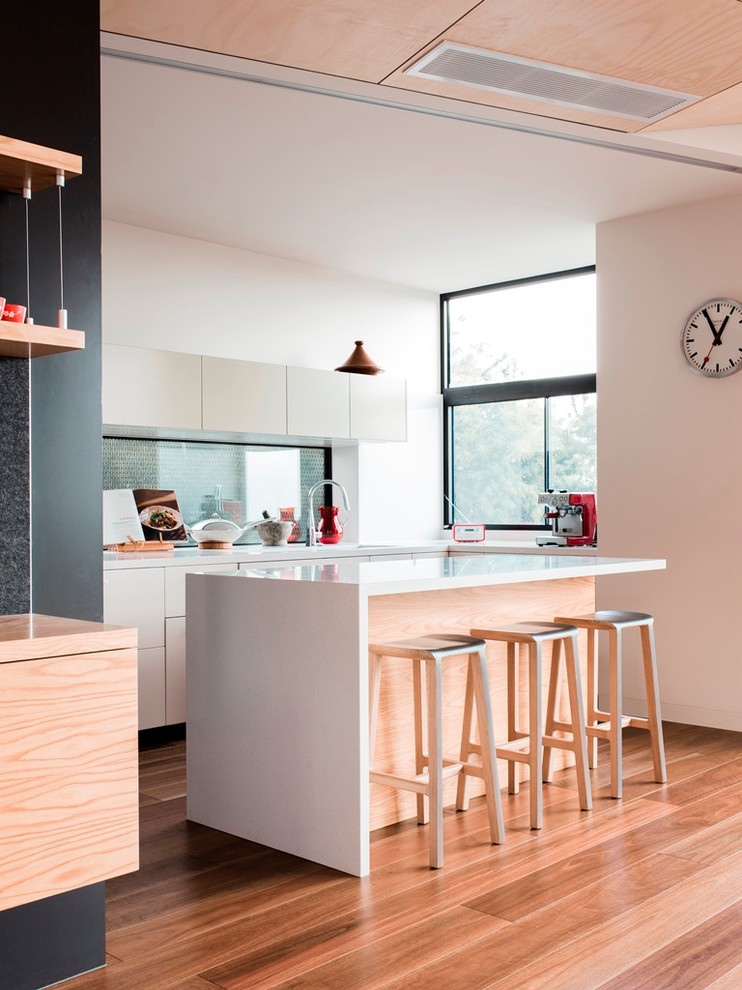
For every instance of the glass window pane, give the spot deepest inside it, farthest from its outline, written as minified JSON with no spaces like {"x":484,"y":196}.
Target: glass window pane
{"x":573,"y":457}
{"x":498,"y":462}
{"x":542,"y":329}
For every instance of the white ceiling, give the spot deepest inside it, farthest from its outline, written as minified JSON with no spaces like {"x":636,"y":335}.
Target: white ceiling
{"x":413,"y":198}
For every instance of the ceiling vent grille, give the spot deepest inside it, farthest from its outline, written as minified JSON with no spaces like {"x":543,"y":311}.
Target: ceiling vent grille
{"x":502,"y":73}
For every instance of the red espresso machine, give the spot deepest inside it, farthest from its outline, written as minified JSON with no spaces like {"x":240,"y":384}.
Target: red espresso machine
{"x":573,"y":519}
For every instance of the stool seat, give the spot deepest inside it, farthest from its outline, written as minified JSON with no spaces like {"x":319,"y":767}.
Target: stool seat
{"x":609,"y":724}
{"x":533,"y":747}
{"x":428,"y":653}
{"x":607,"y":619}
{"x":443,"y":643}
{"x":525,"y":632}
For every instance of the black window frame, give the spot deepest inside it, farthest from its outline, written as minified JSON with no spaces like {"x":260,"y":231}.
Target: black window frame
{"x":536,"y":388}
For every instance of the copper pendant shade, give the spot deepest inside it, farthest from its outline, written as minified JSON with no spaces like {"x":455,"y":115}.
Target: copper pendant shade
{"x":360,"y":363}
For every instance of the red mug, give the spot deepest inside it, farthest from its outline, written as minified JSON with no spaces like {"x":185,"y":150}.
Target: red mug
{"x":13,"y":313}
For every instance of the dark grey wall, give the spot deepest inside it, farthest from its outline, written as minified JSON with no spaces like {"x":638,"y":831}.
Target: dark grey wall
{"x":52,"y":97}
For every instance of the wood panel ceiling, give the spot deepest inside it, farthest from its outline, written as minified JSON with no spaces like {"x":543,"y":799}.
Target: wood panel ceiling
{"x":682,"y":45}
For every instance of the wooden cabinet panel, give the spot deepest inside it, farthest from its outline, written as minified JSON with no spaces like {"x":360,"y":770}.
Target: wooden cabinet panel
{"x":318,"y":403}
{"x":68,"y":773}
{"x":143,"y":387}
{"x":243,"y":396}
{"x":378,"y":408}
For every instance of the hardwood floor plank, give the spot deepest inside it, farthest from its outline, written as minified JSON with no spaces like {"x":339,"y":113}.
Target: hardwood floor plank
{"x":374,"y":964}
{"x":565,"y":920}
{"x":712,"y":844}
{"x":730,"y":981}
{"x":609,"y":950}
{"x":709,"y":951}
{"x":524,"y":896}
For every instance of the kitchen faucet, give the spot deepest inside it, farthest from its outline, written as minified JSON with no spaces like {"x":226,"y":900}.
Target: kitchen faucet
{"x":312,"y":532}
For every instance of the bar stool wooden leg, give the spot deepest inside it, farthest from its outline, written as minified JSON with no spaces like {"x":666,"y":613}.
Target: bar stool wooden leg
{"x":653,"y":707}
{"x":616,"y":725}
{"x":420,"y":757}
{"x":477,"y":696}
{"x":536,"y":749}
{"x":435,"y":761}
{"x":592,"y":699}
{"x":577,"y":716}
{"x":552,"y":704}
{"x":514,"y":732}
{"x":374,"y":685}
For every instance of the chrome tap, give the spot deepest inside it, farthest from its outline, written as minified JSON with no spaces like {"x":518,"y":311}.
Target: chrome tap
{"x":311,"y":531}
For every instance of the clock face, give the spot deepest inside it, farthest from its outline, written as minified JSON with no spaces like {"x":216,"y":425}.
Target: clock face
{"x":712,"y":338}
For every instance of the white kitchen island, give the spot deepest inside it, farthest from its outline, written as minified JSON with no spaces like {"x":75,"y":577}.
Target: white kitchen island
{"x":277,"y":684}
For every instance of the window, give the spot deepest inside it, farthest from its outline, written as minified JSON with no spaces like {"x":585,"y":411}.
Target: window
{"x":519,"y":396}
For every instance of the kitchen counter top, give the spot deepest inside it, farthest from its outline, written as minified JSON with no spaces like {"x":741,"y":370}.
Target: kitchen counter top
{"x":258,"y":554}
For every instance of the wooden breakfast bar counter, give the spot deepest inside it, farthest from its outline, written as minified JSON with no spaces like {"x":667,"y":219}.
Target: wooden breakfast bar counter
{"x":277,"y":684}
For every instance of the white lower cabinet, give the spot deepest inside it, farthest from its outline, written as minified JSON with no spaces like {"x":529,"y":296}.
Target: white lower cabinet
{"x":151,"y":683}
{"x":175,"y":671}
{"x":136,"y":597}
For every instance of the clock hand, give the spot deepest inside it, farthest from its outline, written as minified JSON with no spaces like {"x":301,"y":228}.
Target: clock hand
{"x":711,"y":324}
{"x":717,"y":336}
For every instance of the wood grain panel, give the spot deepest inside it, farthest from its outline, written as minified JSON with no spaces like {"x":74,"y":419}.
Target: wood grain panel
{"x":33,"y":636}
{"x":360,"y":39}
{"x":716,"y":111}
{"x":674,"y":44}
{"x":403,"y":616}
{"x":20,"y":160}
{"x":68,"y":773}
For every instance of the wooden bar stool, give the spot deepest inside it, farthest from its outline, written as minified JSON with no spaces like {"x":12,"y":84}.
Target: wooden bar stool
{"x":609,"y":725}
{"x":431,"y":768}
{"x":528,"y":746}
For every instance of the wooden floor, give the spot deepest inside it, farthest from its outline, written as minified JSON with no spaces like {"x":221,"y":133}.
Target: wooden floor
{"x":639,"y":893}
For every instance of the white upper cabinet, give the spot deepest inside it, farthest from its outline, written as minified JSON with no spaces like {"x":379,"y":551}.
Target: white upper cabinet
{"x":150,"y":388}
{"x":143,"y":387}
{"x":378,"y":408}
{"x":243,"y":396}
{"x":318,"y":403}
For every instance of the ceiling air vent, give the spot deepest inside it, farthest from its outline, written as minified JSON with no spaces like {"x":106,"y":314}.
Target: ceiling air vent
{"x":501,"y":73}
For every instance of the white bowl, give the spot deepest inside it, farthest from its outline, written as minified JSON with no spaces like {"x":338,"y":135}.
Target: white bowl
{"x":274,"y":532}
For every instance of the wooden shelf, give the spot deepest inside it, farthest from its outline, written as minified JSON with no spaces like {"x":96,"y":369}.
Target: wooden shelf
{"x":29,"y":340}
{"x":20,"y":160}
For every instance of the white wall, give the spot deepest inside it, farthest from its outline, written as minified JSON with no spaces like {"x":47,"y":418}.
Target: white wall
{"x":173,"y":293}
{"x":669,"y":451}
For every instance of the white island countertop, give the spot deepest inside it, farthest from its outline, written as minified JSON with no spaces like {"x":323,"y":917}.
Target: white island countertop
{"x":433,"y":574}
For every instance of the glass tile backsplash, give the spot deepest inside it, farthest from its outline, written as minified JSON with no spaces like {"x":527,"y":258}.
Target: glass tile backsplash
{"x":236,"y":481}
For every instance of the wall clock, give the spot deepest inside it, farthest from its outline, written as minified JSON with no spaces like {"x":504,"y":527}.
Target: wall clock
{"x":712,"y":338}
